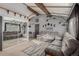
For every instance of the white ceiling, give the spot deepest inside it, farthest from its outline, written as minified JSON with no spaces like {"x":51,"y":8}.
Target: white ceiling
{"x":59,"y":10}
{"x":62,"y":9}
{"x":16,"y":7}
{"x":54,"y":8}
{"x":58,"y":4}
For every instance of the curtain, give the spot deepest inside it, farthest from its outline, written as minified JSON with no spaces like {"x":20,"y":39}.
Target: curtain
{"x":72,"y":27}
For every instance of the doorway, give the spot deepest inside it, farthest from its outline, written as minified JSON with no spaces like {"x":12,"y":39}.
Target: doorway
{"x":36,"y":30}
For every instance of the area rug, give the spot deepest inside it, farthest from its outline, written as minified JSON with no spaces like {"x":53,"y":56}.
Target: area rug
{"x":36,"y":49}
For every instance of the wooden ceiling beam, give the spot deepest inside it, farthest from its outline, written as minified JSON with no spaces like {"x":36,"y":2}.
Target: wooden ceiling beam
{"x":43,"y":8}
{"x":32,"y":10}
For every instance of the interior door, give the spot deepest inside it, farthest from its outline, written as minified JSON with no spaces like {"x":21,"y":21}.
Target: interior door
{"x":36,"y":30}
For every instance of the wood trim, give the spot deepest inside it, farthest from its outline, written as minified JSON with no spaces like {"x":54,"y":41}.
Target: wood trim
{"x":30,"y":15}
{"x":60,"y":13}
{"x":54,"y":6}
{"x":43,"y":8}
{"x":32,"y":10}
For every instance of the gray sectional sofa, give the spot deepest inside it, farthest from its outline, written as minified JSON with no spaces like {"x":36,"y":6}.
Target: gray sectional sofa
{"x":65,"y":46}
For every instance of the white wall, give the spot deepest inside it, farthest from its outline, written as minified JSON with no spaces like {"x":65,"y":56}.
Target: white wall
{"x":11,"y":18}
{"x":10,"y":15}
{"x":42,"y":21}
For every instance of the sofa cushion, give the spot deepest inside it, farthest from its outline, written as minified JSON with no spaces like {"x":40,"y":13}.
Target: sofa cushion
{"x":46,"y":37}
{"x":54,"y":50}
{"x":68,"y":46}
{"x":76,"y":52}
{"x":68,"y":36}
{"x":57,"y":43}
{"x":58,"y":38}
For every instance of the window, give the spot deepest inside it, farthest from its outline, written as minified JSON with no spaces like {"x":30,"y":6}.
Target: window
{"x":10,"y":27}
